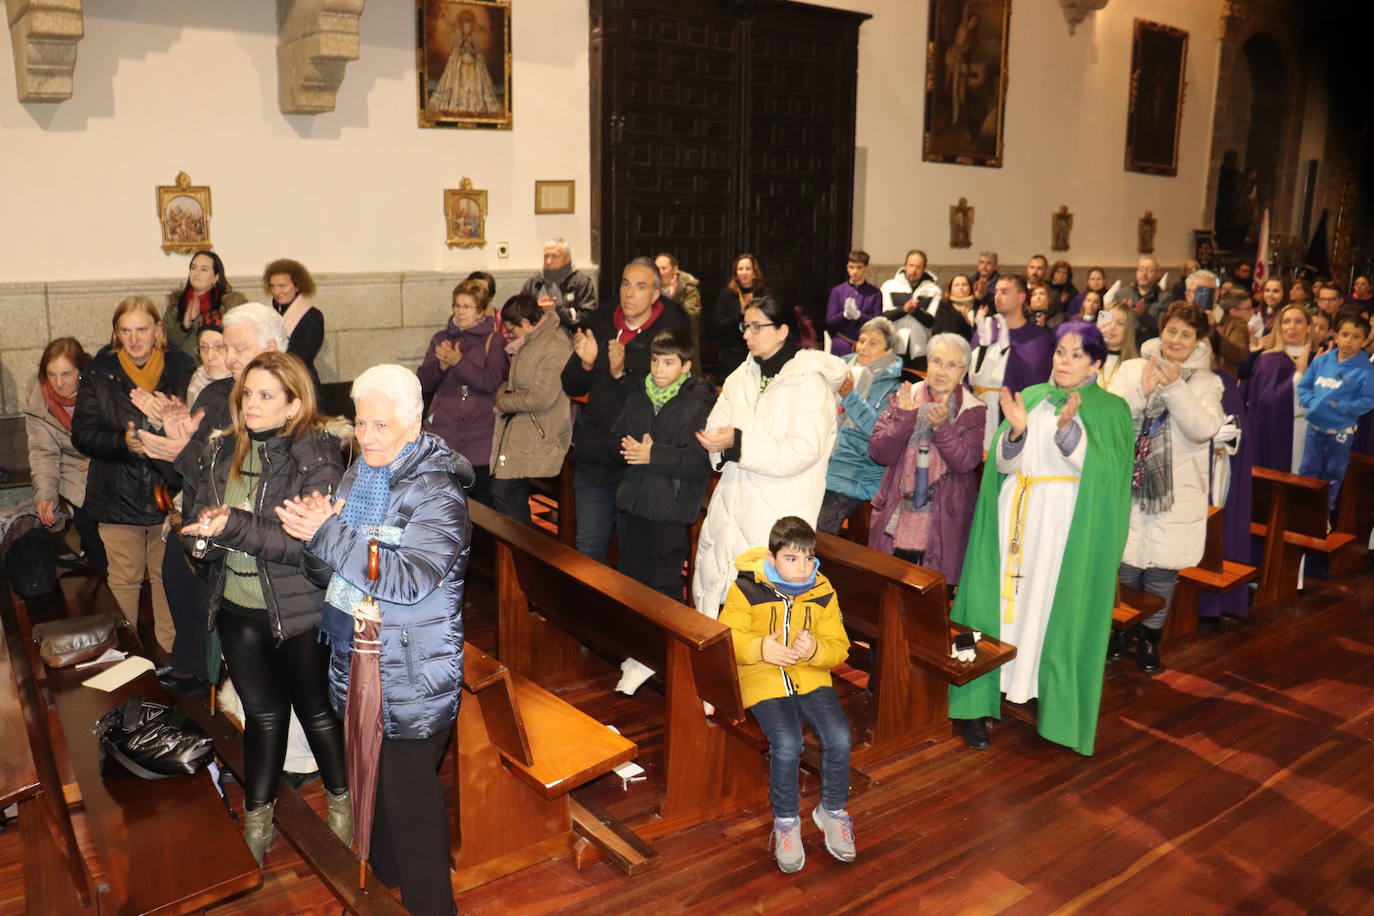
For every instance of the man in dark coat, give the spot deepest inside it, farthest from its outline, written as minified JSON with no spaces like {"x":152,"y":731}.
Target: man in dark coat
{"x":610,"y":359}
{"x":562,"y":287}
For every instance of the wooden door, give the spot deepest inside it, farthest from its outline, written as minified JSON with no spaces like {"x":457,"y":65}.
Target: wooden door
{"x":722,"y":127}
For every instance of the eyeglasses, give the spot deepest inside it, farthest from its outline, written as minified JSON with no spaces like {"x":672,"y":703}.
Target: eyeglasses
{"x":753,"y":327}
{"x":213,"y":348}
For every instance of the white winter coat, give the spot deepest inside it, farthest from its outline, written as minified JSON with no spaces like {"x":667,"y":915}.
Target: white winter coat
{"x":1175,"y":539}
{"x":787,"y":435}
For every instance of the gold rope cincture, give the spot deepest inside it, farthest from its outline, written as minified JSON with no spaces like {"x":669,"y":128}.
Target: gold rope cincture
{"x":981,"y":390}
{"x":1011,"y":581}
{"x":366,"y":610}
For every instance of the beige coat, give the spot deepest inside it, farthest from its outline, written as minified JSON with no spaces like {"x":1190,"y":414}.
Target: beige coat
{"x":58,"y":469}
{"x":533,"y":417}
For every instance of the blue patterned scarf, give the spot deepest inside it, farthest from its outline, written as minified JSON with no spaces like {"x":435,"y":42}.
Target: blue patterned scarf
{"x":364,"y":510}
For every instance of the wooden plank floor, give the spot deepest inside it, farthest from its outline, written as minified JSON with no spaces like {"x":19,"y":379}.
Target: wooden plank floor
{"x":1237,"y":781}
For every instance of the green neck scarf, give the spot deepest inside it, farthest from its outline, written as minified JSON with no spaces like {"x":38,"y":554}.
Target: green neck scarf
{"x":660,"y":396}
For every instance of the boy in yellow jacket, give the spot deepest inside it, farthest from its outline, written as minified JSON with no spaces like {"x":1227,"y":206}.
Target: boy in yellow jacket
{"x":788,"y":634}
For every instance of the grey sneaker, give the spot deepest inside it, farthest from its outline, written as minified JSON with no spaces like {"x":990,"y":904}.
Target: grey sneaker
{"x":839,"y":833}
{"x":787,"y":844}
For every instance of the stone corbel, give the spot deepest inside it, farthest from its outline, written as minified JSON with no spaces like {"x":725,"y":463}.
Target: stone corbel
{"x":44,"y":34}
{"x":315,"y":41}
{"x":1075,"y":11}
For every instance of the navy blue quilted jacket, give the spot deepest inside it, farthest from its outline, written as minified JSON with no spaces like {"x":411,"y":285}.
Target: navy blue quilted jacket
{"x":420,"y":589}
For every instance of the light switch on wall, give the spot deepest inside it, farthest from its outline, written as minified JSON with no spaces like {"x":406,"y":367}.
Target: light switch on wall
{"x":503,"y":249}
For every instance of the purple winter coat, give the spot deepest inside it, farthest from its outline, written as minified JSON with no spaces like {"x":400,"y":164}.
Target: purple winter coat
{"x":461,"y":411}
{"x":960,"y":444}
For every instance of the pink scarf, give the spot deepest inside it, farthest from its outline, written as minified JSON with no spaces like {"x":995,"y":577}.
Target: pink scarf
{"x":912,"y":529}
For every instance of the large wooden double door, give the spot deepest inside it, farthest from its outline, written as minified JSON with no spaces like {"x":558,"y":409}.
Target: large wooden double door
{"x":720,"y":127}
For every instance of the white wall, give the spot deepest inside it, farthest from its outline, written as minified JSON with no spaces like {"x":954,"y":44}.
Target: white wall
{"x":163,"y":86}
{"x":1064,"y":138}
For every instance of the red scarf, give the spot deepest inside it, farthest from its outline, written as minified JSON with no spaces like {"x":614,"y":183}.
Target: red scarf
{"x":628,"y":333}
{"x":58,"y":406}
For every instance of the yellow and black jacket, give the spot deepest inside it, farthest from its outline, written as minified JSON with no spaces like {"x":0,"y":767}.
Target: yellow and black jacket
{"x":754,"y":609}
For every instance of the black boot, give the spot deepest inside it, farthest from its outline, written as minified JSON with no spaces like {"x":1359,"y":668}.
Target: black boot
{"x":1147,"y":651}
{"x":976,"y":734}
{"x":1121,"y":643}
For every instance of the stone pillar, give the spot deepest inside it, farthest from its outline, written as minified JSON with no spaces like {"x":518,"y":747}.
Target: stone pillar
{"x":315,"y":41}
{"x":44,"y":34}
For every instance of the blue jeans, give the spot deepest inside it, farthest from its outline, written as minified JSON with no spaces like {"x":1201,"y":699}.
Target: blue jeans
{"x":781,"y":720}
{"x":595,"y":515}
{"x":1326,"y":455}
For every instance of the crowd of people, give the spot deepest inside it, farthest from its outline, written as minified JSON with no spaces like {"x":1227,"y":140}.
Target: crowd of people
{"x":191,"y":451}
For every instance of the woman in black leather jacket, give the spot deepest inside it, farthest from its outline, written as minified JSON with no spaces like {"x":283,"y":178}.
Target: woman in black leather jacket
{"x":261,"y":603}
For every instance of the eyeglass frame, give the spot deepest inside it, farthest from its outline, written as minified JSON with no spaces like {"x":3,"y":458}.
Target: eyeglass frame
{"x":753,"y":327}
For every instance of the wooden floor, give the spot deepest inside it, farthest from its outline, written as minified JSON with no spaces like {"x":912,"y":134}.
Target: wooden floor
{"x":1240,"y":780}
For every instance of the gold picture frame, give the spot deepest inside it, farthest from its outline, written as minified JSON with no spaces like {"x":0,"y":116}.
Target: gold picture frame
{"x":465,"y":215}
{"x":555,"y":196}
{"x":183,"y":211}
{"x":463,"y":63}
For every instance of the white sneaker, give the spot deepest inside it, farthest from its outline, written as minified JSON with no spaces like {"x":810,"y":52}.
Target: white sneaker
{"x":632,"y":675}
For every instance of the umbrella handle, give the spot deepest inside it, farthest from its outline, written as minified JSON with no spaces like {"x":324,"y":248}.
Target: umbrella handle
{"x":373,"y":561}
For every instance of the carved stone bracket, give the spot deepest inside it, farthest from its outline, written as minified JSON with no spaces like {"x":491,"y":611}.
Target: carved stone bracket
{"x":315,"y":41}
{"x":1075,"y":11}
{"x":44,"y":34}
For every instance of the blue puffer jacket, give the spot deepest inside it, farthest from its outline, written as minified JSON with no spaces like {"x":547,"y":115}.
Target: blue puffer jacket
{"x":420,"y":589}
{"x":851,"y":471}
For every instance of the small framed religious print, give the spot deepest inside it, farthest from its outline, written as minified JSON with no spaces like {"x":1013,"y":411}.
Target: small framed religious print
{"x":465,"y":215}
{"x":554,"y":196}
{"x":183,"y":209}
{"x":463,"y":63}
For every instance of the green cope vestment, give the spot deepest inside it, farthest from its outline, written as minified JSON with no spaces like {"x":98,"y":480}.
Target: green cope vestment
{"x":1075,"y":647}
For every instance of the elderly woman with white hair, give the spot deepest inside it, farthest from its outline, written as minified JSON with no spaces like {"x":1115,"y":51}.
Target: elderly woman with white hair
{"x":875,"y":371}
{"x":930,"y":438}
{"x":407,"y":493}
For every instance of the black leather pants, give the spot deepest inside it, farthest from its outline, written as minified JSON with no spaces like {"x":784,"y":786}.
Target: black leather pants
{"x":270,"y":680}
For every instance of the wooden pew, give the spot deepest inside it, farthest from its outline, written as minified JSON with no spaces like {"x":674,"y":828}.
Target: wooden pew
{"x":521,"y":752}
{"x":165,"y":846}
{"x":1291,"y":516}
{"x":551,"y":599}
{"x":903,"y":611}
{"x":1355,"y":513}
{"x":1213,"y":573}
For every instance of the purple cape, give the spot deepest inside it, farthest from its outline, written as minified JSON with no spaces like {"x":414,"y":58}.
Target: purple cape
{"x":1031,"y":358}
{"x":1269,"y":410}
{"x":1235,"y":538}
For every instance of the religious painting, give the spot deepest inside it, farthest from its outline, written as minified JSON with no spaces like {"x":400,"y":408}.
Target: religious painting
{"x":966,"y":81}
{"x":961,"y":225}
{"x":554,"y":196}
{"x":1158,"y":56}
{"x":463,"y":63}
{"x":184,"y":212}
{"x":465,"y":215}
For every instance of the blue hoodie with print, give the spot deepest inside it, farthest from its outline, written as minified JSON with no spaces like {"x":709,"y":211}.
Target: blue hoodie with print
{"x":1337,"y":393}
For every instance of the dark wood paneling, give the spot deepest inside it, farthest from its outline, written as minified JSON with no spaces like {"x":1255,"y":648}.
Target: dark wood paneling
{"x":720,"y":128}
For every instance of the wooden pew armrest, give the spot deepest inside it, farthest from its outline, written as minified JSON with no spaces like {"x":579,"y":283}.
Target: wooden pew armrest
{"x":992,"y":654}
{"x":1232,"y":576}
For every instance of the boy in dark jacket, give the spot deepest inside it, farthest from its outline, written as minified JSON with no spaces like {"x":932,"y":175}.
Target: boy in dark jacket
{"x":659,"y":497}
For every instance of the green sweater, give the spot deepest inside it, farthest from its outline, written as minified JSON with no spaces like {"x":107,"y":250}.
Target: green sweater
{"x":241,"y":583}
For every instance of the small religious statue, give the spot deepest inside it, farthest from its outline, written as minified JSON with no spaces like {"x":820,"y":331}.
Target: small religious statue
{"x":961,"y":225}
{"x":1061,"y":224}
{"x":1145,"y":233}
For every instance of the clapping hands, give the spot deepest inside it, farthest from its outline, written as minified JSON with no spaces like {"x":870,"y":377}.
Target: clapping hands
{"x":302,"y":516}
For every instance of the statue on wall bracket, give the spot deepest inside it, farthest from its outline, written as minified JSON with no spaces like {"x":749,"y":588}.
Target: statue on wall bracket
{"x":1145,"y":233}
{"x":1061,"y":224}
{"x":961,"y":225}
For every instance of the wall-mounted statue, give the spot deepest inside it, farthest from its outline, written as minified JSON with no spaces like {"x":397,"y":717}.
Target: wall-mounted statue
{"x":961,"y":225}
{"x":1061,"y":224}
{"x":1145,"y":233}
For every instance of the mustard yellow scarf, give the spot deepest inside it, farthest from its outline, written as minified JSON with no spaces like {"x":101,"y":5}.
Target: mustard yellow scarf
{"x":146,"y":376}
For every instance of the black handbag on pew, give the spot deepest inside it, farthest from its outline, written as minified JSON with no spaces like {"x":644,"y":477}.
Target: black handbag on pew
{"x":151,"y":740}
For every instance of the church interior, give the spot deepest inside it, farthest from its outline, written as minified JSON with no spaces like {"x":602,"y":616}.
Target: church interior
{"x":1214,"y":135}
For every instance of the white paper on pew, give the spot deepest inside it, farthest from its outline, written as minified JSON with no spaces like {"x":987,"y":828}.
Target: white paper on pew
{"x":109,"y":655}
{"x":120,"y":674}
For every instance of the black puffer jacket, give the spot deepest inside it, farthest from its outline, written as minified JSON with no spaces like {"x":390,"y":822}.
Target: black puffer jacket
{"x":214,"y":402}
{"x":605,"y":395}
{"x":119,"y":485}
{"x":671,"y":486}
{"x":290,"y":467}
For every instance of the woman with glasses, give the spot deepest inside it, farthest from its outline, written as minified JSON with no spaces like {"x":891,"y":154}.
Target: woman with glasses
{"x":771,"y":435}
{"x":464,"y":365}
